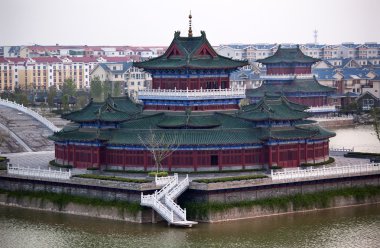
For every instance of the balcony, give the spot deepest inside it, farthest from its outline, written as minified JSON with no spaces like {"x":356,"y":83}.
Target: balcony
{"x":286,"y":76}
{"x":168,"y":94}
{"x":322,"y":109}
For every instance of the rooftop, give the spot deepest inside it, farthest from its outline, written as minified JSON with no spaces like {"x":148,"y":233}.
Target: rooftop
{"x":288,"y":55}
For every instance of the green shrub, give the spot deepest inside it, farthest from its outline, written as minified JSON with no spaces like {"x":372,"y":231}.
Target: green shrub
{"x":362,"y":155}
{"x":124,"y":171}
{"x":3,"y":162}
{"x":2,"y":159}
{"x":275,"y":168}
{"x":159,"y":174}
{"x":53,"y":163}
{"x":113,"y":178}
{"x":229,"y":179}
{"x":329,"y":161}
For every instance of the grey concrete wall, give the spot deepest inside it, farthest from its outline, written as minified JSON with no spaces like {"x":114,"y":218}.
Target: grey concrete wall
{"x":91,"y":191}
{"x":222,"y":193}
{"x":144,"y":216}
{"x":259,"y":211}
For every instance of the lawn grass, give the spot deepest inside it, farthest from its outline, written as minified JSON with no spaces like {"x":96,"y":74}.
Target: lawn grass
{"x":229,"y":179}
{"x":113,"y":178}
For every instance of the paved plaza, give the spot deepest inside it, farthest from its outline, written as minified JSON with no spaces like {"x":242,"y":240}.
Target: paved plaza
{"x":31,"y":159}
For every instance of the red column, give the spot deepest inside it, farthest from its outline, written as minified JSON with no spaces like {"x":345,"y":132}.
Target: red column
{"x":145,"y":161}
{"x":298,"y":154}
{"x":74,"y":158}
{"x":270,"y":156}
{"x":92,"y":155}
{"x":278,"y":154}
{"x":314,"y":152}
{"x":220,"y":159}
{"x":243,"y":157}
{"x":195,"y":158}
{"x":305,"y":152}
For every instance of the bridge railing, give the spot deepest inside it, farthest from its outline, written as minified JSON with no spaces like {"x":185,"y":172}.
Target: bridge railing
{"x":37,"y":172}
{"x":323,"y":172}
{"x":30,"y":112}
{"x":340,"y":151}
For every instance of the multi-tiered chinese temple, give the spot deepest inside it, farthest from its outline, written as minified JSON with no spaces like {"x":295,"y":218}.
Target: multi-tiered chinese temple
{"x":191,"y":75}
{"x":289,"y":73}
{"x":187,"y":80}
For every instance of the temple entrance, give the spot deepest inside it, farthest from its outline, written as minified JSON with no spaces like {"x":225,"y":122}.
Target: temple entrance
{"x":214,"y":160}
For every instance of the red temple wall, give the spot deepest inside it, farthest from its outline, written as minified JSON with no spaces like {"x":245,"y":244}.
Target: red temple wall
{"x":288,"y":70}
{"x":309,"y":101}
{"x":193,"y":108}
{"x":191,"y":83}
{"x":289,"y":155}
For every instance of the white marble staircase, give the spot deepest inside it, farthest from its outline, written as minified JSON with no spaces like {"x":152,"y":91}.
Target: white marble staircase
{"x":162,"y":201}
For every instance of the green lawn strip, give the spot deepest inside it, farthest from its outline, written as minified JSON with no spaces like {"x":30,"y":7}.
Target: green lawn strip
{"x":229,"y":179}
{"x":185,"y":172}
{"x":113,"y":178}
{"x":62,"y":199}
{"x":299,"y":201}
{"x":53,"y":163}
{"x":329,"y":161}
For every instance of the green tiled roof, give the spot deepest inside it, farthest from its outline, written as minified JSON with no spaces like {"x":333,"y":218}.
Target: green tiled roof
{"x":274,"y":108}
{"x":82,"y":134}
{"x":189,"y":46}
{"x":295,"y":86}
{"x":199,"y":137}
{"x":209,"y":129}
{"x":189,"y":121}
{"x":288,"y":55}
{"x":116,"y":109}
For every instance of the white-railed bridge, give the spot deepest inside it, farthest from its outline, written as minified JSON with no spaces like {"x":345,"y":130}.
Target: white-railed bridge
{"x":28,"y":111}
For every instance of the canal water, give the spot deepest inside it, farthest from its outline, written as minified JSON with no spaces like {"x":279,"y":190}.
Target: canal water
{"x":361,"y":138}
{"x":344,"y":227}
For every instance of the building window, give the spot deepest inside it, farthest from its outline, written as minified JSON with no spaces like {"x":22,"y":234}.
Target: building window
{"x":368,"y":104}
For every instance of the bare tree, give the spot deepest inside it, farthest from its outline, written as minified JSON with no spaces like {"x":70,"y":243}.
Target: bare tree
{"x":375,"y":115}
{"x":160,"y":145}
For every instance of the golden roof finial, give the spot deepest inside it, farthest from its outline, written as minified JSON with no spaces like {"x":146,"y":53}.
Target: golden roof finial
{"x":190,"y":31}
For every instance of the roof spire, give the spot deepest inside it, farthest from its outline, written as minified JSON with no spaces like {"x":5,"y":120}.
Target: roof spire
{"x":190,"y":31}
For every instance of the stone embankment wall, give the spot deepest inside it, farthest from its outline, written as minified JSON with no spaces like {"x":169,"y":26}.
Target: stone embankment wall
{"x":110,"y":191}
{"x":260,"y":211}
{"x":234,"y":193}
{"x":231,"y":192}
{"x":265,"y":188}
{"x":106,"y":212}
{"x":96,"y":189}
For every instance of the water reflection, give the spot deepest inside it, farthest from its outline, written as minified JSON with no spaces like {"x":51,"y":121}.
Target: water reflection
{"x":347,"y":227}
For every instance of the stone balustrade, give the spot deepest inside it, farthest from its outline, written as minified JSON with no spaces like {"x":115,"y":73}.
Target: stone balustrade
{"x":286,"y":76}
{"x":39,"y":173}
{"x":311,"y":172}
{"x":231,"y":93}
{"x":322,"y":109}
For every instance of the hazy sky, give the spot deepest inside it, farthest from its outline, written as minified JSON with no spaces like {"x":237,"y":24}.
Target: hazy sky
{"x":153,"y":22}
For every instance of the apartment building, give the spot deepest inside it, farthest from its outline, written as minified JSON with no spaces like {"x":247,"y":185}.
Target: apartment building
{"x":43,"y":72}
{"x":131,"y":78}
